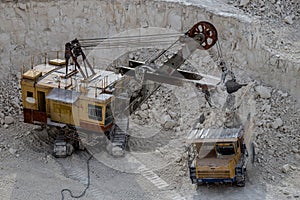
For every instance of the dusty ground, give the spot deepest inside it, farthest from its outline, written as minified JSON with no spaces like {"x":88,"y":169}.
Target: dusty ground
{"x":156,"y":167}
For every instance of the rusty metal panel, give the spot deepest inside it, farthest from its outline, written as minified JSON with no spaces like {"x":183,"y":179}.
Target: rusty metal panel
{"x":95,"y":127}
{"x":31,"y":116}
{"x":89,"y":126}
{"x":39,"y":116}
{"x":27,"y":115}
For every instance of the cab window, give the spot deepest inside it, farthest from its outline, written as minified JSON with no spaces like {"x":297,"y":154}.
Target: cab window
{"x":225,"y":149}
{"x":95,"y":112}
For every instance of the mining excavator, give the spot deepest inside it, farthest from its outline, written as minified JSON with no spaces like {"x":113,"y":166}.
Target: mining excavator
{"x":85,"y":102}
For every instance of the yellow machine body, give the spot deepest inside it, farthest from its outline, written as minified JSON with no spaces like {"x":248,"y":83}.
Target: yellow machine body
{"x":50,"y":98}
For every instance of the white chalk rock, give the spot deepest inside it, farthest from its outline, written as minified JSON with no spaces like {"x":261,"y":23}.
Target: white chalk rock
{"x":277,"y":123}
{"x":263,"y":92}
{"x":244,"y":2}
{"x":288,"y":19}
{"x":142,"y":114}
{"x":9,"y":120}
{"x":144,"y":106}
{"x":167,"y":122}
{"x":285,"y":168}
{"x":12,"y":151}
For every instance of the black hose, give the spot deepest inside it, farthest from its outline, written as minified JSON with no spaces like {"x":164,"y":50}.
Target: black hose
{"x":84,"y":191}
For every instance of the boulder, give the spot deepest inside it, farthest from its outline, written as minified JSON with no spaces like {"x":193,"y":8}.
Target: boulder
{"x":285,"y":168}
{"x":263,"y":92}
{"x":142,"y":114}
{"x":167,"y":122}
{"x":170,"y":124}
{"x":288,"y":19}
{"x":172,"y":114}
{"x":277,"y":123}
{"x":165,"y":119}
{"x":144,"y":106}
{"x":266,"y":108}
{"x":244,"y":2}
{"x":37,"y":128}
{"x":12,"y":151}
{"x":9,"y":120}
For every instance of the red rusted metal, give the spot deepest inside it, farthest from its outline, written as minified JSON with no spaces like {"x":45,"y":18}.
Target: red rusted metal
{"x":205,"y":33}
{"x":27,"y":116}
{"x":32,"y":116}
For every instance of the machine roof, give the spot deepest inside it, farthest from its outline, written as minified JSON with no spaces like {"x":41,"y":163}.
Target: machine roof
{"x":65,"y":96}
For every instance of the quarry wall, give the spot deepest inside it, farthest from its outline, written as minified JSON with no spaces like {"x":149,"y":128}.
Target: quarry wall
{"x":32,"y":27}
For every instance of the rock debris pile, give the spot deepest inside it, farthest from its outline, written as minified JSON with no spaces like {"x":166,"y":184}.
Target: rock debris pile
{"x":285,"y":10}
{"x":160,"y":110}
{"x":10,"y":101}
{"x":277,"y":133}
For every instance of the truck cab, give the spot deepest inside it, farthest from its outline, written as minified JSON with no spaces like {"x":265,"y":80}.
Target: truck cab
{"x":217,"y":156}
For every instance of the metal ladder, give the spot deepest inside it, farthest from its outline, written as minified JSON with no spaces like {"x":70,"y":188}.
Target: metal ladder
{"x":120,"y":130}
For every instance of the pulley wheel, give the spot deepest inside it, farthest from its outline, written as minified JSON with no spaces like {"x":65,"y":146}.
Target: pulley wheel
{"x":205,"y":33}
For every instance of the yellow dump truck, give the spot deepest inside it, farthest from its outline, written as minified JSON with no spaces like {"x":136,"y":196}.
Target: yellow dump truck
{"x":217,"y":155}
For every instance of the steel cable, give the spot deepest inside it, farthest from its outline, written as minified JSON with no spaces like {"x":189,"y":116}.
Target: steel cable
{"x":132,"y":36}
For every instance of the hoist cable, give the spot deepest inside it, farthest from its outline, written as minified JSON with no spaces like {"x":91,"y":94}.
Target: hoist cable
{"x":132,"y":36}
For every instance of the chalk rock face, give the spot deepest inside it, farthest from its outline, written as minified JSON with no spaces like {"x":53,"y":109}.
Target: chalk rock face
{"x":29,"y":34}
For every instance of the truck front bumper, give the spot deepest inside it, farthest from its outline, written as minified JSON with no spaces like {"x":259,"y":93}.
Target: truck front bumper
{"x":215,"y":180}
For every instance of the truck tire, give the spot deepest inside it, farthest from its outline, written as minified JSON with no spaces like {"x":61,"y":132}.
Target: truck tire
{"x":242,"y":181}
{"x":253,"y":153}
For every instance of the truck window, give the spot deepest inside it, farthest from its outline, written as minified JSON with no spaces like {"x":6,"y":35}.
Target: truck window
{"x":225,"y":149}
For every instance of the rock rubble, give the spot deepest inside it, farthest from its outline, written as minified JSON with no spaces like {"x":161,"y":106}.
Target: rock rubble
{"x":286,"y":10}
{"x":277,"y":135}
{"x":10,"y":100}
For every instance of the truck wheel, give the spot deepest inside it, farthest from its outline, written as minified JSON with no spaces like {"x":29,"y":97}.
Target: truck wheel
{"x":241,"y":183}
{"x":253,"y":153}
